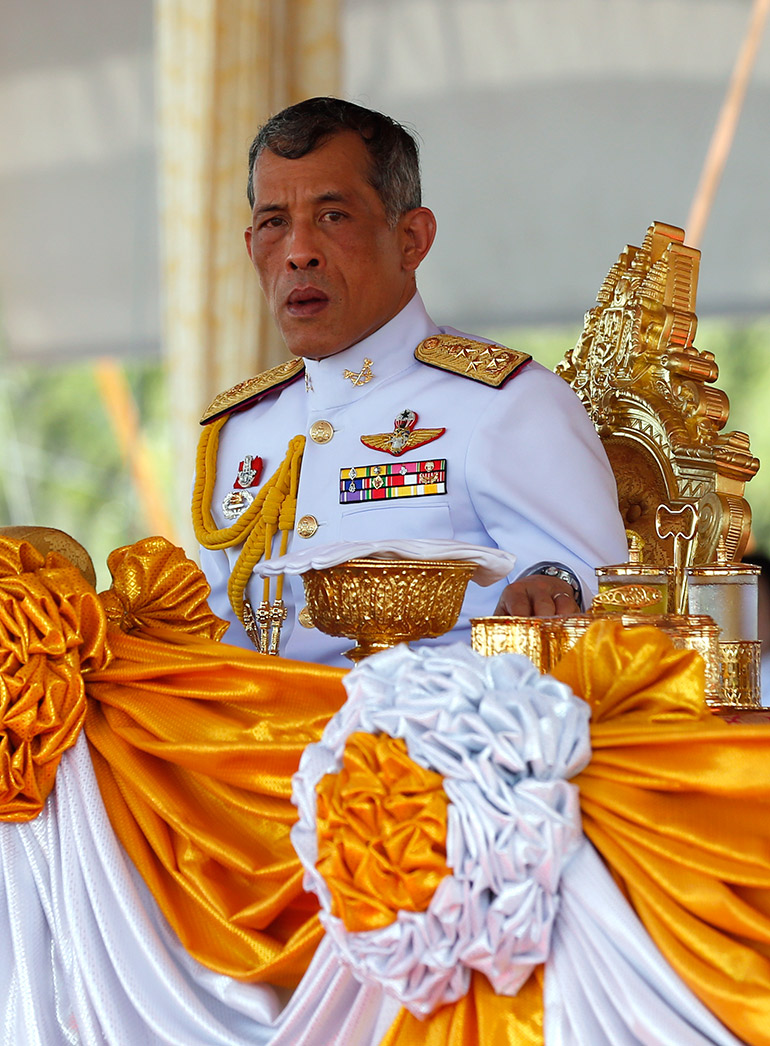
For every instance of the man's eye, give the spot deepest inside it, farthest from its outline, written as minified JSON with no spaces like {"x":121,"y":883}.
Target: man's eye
{"x":333,"y":216}
{"x":273,"y":222}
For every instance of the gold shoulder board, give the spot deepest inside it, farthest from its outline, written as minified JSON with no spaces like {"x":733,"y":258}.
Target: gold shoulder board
{"x":490,"y":364}
{"x":245,"y":393}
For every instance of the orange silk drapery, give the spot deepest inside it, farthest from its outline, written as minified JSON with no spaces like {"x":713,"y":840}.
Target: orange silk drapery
{"x":194,"y":744}
{"x":678,"y":804}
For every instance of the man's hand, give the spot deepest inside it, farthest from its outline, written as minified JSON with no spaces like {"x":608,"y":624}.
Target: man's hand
{"x":538,"y":595}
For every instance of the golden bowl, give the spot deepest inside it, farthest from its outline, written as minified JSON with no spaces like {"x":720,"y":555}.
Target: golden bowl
{"x":383,"y":602}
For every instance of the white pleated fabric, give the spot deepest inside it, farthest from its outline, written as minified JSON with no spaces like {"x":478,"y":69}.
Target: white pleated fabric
{"x":605,"y":981}
{"x":527,"y":886}
{"x":87,"y":957}
{"x":91,"y":958}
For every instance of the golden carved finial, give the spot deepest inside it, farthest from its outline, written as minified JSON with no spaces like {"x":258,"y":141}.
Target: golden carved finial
{"x":635,"y":547}
{"x":650,"y":394}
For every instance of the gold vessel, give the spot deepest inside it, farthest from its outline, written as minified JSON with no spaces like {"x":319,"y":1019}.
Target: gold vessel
{"x":546,"y":640}
{"x":741,"y":688}
{"x":383,"y":602}
{"x":538,"y":638}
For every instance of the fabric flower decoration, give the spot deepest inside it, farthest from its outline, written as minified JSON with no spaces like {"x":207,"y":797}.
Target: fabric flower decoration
{"x":503,"y":739}
{"x":52,"y":629}
{"x":154,"y":584}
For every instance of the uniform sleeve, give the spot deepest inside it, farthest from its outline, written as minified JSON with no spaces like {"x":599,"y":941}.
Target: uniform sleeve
{"x":540,"y":481}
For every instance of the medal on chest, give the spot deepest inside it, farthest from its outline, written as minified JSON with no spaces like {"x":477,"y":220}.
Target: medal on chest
{"x":403,"y":437}
{"x":240,"y":497}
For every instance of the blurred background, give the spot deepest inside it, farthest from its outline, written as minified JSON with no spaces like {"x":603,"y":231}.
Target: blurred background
{"x":553,"y":132}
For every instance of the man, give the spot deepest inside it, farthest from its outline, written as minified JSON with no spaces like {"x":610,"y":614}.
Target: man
{"x":413,"y":431}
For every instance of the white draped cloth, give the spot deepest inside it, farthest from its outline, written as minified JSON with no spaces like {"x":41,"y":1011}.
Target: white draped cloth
{"x":88,"y":958}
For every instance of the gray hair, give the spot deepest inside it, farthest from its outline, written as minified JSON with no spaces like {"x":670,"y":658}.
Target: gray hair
{"x":394,"y":169}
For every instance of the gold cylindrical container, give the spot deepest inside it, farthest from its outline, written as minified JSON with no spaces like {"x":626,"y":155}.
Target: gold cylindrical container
{"x":728,"y":593}
{"x":643,"y":589}
{"x":571,"y":629}
{"x":537,"y":638}
{"x":700,"y":633}
{"x":741,"y":687}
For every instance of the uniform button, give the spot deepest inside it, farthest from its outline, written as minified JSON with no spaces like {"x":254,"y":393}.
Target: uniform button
{"x":307,"y":526}
{"x":305,"y":618}
{"x":321,"y":431}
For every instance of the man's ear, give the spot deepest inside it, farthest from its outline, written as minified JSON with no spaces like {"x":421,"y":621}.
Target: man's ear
{"x":418,"y":231}
{"x":247,"y":238}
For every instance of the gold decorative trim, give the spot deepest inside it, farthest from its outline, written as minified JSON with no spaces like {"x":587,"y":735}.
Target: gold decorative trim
{"x":741,"y":673}
{"x":253,"y":388}
{"x":492,"y":365}
{"x":650,"y":394}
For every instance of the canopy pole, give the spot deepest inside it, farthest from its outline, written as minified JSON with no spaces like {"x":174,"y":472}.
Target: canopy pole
{"x":123,"y":415}
{"x":727,"y":122}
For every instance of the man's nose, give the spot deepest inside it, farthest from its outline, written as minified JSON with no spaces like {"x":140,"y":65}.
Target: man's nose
{"x":304,"y":252}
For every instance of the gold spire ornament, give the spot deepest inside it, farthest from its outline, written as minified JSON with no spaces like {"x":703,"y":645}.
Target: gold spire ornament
{"x":650,"y":393}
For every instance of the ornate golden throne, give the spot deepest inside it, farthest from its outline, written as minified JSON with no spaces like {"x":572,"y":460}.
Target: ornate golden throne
{"x":651,"y":396}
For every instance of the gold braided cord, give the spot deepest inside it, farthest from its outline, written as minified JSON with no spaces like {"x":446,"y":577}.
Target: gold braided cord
{"x":272,"y":510}
{"x":206,"y":530}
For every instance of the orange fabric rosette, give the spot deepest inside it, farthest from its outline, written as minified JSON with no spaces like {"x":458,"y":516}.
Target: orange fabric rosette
{"x":52,"y":630}
{"x":381,"y":832}
{"x":155,"y":585}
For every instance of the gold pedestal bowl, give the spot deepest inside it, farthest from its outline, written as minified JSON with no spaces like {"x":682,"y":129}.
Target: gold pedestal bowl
{"x":382,"y":602}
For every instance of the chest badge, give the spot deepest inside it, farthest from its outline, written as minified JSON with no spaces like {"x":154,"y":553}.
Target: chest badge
{"x":403,"y":437}
{"x":364,"y":375}
{"x":240,"y":497}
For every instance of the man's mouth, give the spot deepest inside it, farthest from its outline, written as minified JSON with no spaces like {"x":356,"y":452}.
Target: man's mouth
{"x":306,"y":301}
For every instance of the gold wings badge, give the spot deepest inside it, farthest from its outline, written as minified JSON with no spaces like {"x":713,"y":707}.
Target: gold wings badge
{"x":403,"y":437}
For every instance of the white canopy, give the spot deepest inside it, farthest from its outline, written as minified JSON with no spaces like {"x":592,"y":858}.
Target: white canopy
{"x":554,"y":132}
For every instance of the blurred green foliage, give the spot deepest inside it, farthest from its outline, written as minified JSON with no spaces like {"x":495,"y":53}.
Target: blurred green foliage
{"x":61,"y":463}
{"x":62,"y":467}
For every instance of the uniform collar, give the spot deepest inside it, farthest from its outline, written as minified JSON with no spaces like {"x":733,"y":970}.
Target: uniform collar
{"x":390,"y":349}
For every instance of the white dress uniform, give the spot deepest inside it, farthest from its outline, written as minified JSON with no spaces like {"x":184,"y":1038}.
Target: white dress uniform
{"x":518,"y":467}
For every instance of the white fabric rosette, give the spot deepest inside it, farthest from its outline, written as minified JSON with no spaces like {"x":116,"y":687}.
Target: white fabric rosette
{"x":505,"y":739}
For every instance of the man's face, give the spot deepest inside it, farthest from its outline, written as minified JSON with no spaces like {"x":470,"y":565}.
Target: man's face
{"x":331,"y":268}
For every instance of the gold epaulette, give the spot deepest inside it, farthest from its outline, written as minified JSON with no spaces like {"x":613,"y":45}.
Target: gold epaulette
{"x":490,"y":364}
{"x":248,"y":392}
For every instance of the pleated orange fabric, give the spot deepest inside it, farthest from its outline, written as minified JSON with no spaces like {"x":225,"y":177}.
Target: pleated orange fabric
{"x":678,"y":803}
{"x":194,"y":744}
{"x":52,"y":629}
{"x":481,"y":1017}
{"x":382,"y":823}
